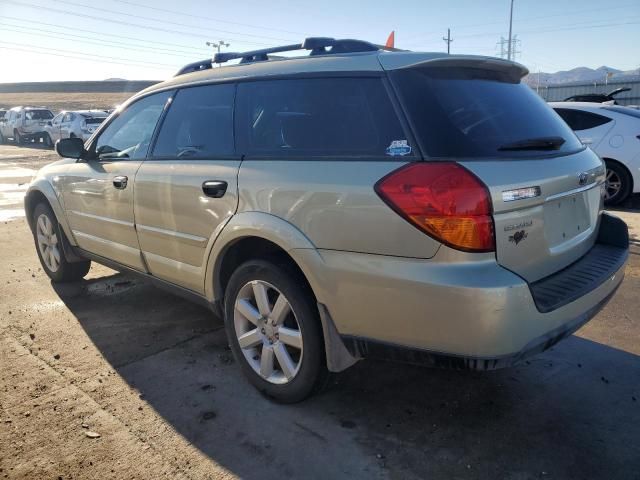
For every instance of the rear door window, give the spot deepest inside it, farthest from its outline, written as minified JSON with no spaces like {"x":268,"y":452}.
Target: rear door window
{"x":581,"y":120}
{"x":319,"y":117}
{"x":471,"y":112}
{"x":38,"y":115}
{"x":199,"y":124}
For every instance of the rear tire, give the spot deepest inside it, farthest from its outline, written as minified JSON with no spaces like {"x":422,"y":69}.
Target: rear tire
{"x":618,"y":184}
{"x":2,"y":140}
{"x":46,"y":139}
{"x":48,"y":237}
{"x":271,"y":310}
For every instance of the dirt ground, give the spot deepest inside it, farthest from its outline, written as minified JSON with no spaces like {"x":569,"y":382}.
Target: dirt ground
{"x":113,"y":378}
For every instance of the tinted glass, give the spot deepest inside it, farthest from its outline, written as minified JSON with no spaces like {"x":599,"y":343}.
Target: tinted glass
{"x":580,"y":120}
{"x":38,"y":115}
{"x":199,"y":124}
{"x":129,"y":134}
{"x":469,"y":112}
{"x":337,"y":117}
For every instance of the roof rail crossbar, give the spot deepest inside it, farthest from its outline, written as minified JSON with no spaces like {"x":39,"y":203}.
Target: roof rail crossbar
{"x":317,"y":46}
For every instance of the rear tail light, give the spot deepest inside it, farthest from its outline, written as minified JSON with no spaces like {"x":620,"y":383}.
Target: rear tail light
{"x":445,"y":201}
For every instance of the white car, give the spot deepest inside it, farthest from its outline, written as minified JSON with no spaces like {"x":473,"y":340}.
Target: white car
{"x":24,"y":124}
{"x":80,"y":124}
{"x":613,"y":132}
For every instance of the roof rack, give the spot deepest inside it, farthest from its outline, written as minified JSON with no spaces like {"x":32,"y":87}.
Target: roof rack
{"x":317,"y":46}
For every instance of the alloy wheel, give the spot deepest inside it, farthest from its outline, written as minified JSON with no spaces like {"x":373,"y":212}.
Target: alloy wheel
{"x":268,"y":332}
{"x":613,"y":184}
{"x":48,"y":242}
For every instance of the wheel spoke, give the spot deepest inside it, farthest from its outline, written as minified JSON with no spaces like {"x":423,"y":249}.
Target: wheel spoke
{"x":609,"y":174}
{"x":53,"y":239}
{"x":47,"y":224}
{"x":250,"y":339}
{"x":42,"y":239}
{"x":52,"y":259}
{"x":285,"y":361}
{"x":262,"y":301}
{"x":41,"y":224}
{"x":291,"y":337}
{"x":280,"y":310}
{"x":266,"y":362}
{"x":246,"y":309}
{"x":56,"y":254}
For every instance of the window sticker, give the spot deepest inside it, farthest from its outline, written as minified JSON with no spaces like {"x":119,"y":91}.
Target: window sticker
{"x":398,"y":148}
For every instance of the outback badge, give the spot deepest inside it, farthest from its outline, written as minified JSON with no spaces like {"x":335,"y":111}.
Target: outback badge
{"x":518,"y":237}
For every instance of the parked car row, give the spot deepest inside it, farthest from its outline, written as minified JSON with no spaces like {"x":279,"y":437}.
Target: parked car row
{"x":28,"y":123}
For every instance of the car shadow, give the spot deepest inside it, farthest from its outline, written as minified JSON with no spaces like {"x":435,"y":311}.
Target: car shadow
{"x":572,"y":412}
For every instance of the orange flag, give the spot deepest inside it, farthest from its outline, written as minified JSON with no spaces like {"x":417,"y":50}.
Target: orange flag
{"x":391,"y":41}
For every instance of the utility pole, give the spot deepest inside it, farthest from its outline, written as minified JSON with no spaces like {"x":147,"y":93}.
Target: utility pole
{"x":218,"y":44}
{"x":448,"y":39}
{"x":510,"y":26}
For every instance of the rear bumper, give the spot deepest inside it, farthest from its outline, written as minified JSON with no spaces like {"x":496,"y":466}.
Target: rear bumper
{"x":453,"y":309}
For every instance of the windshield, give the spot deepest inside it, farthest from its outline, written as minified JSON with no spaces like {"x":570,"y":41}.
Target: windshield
{"x":468,"y":112}
{"x":38,"y":115}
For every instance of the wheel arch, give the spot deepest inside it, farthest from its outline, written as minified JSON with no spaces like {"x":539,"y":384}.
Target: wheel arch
{"x":43,"y":191}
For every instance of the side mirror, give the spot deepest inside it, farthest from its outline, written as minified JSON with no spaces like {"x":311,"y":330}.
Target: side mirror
{"x":70,"y":147}
{"x":49,"y":123}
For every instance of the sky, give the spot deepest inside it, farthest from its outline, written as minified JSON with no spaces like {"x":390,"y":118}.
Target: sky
{"x":45,"y":40}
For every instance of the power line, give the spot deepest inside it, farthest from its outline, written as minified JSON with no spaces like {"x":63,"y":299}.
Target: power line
{"x":120,"y":22}
{"x":95,"y":60}
{"x":94,"y":41}
{"x":203,"y":17}
{"x":30,"y":22}
{"x":168,"y":22}
{"x":74,"y":52}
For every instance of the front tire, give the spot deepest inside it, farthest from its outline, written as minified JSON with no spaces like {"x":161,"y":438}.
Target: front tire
{"x":48,"y":237}
{"x":274,"y":329}
{"x":46,"y":139}
{"x":17,"y":138}
{"x":618,"y":184}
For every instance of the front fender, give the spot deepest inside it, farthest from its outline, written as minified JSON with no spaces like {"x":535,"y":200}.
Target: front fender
{"x":268,"y":227}
{"x":42,"y":186}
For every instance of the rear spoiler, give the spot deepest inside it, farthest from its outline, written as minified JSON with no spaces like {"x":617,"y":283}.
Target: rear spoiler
{"x":514,"y":71}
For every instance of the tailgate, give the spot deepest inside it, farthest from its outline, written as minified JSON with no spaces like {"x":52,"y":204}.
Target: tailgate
{"x":538,"y":236}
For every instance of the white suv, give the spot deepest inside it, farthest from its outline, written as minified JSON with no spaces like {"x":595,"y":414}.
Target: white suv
{"x":24,"y":123}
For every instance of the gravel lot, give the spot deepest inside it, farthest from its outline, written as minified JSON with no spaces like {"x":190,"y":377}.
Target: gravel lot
{"x":112,"y":378}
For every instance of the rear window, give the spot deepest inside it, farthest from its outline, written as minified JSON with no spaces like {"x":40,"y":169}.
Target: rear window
{"x":94,"y":120}
{"x":467,"y":113}
{"x":38,"y":115}
{"x":319,"y":117}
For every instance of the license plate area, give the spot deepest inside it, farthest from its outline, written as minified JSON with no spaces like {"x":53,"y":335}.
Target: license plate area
{"x":568,"y":217}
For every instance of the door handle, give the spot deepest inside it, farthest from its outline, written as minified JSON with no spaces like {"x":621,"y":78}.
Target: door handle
{"x":120,"y":182}
{"x":214,"y":188}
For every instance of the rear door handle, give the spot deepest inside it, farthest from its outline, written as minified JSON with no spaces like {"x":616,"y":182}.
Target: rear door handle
{"x":214,"y":188}
{"x":120,"y":182}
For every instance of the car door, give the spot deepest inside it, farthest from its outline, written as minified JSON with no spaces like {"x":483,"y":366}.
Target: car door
{"x":54,"y":129}
{"x":186,"y":191}
{"x":65,"y":125}
{"x":98,"y":191}
{"x":590,"y":127}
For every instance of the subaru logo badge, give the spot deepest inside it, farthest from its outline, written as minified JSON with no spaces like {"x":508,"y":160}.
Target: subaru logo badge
{"x":582,"y":179}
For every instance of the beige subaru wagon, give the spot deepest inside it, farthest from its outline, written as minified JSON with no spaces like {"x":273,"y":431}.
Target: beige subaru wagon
{"x":347,"y":203}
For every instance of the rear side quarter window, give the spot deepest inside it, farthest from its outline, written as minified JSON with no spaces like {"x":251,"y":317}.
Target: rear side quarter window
{"x":319,"y":117}
{"x":581,"y":120}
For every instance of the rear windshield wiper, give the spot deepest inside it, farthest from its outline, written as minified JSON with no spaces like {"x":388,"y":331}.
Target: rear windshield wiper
{"x":540,"y":143}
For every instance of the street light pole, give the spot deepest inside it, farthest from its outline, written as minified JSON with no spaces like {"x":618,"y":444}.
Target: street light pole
{"x":510,"y":26}
{"x":218,"y":45}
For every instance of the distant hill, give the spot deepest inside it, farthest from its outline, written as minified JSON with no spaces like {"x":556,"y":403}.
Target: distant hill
{"x":114,"y":86}
{"x":581,"y":75}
